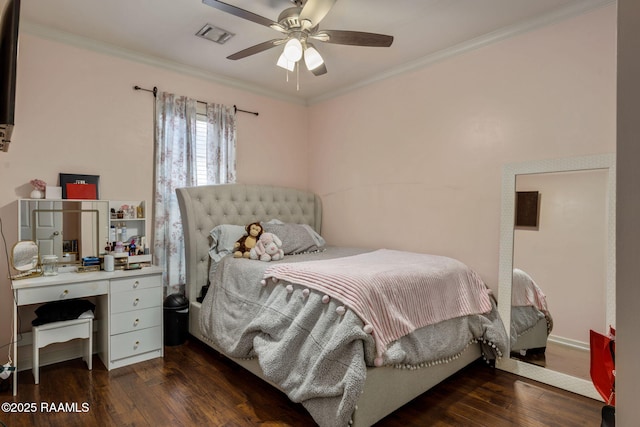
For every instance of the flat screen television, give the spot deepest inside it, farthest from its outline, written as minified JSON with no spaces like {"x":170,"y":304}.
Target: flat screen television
{"x":8,"y":62}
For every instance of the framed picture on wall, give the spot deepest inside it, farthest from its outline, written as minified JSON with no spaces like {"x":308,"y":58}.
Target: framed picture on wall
{"x":81,"y":187}
{"x":527,"y":209}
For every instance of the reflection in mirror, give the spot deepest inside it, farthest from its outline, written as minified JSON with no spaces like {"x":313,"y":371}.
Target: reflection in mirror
{"x":557,"y":280}
{"x":24,"y":259}
{"x":566,"y":255}
{"x":70,"y":229}
{"x":531,"y":320}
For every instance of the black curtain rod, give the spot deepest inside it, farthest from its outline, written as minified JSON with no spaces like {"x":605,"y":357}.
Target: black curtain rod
{"x":236,"y":109}
{"x":154,"y":90}
{"x":155,"y":94}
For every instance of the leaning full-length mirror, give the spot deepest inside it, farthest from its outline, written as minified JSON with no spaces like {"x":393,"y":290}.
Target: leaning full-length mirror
{"x":557,"y":260}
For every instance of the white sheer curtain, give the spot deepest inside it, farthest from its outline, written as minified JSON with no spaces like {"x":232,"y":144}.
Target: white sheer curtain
{"x":181,"y":152}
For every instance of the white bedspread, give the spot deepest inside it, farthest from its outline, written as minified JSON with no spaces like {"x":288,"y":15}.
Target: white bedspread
{"x":393,"y":291}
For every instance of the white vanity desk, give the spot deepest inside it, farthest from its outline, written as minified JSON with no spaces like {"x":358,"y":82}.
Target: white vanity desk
{"x":128,"y":310}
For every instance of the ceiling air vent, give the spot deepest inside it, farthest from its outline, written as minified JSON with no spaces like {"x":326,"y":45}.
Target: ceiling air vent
{"x":215,"y":34}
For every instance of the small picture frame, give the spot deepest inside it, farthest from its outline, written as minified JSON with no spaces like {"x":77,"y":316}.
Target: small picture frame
{"x":527,"y":210}
{"x":81,"y":187}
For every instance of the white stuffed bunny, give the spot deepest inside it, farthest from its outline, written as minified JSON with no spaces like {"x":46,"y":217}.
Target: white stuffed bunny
{"x":268,"y":248}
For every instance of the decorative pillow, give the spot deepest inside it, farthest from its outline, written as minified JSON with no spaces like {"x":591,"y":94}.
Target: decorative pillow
{"x":224,"y":237}
{"x":296,"y":238}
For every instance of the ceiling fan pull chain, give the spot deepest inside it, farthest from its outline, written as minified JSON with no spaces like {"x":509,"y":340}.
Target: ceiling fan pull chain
{"x":298,"y":76}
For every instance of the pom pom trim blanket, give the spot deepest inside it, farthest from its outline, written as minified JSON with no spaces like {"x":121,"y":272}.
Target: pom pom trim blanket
{"x":395,"y":292}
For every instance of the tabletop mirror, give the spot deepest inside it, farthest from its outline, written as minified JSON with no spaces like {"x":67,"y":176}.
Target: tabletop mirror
{"x":69,"y":229}
{"x":557,"y":252}
{"x":25,"y":259}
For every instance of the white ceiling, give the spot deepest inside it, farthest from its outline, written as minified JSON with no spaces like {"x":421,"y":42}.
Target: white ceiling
{"x":163,"y":31}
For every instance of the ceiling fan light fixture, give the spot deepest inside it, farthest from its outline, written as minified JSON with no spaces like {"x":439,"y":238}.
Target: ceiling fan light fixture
{"x":293,"y":50}
{"x":299,"y":24}
{"x":312,"y":58}
{"x":283,"y":62}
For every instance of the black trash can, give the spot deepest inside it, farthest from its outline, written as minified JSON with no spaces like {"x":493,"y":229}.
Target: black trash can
{"x":176,"y":319}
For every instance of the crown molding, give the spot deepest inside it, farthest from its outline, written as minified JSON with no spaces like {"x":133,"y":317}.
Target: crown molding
{"x":571,"y":11}
{"x":131,"y":55}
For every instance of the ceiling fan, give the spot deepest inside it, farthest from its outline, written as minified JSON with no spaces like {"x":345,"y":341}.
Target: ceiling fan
{"x":299,"y":25}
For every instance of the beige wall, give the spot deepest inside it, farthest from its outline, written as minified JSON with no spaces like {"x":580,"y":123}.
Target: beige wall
{"x":415,"y":162}
{"x":77,"y":113}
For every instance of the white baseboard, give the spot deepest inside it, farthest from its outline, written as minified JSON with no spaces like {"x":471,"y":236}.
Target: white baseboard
{"x":580,"y":345}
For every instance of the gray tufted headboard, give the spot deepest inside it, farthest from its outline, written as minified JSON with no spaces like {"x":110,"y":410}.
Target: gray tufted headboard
{"x":204,"y":207}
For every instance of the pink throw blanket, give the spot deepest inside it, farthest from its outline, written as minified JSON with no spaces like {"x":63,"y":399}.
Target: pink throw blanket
{"x":525,"y":292}
{"x":393,"y":292}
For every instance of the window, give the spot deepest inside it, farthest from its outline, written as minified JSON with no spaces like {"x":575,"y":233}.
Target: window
{"x":201,"y":144}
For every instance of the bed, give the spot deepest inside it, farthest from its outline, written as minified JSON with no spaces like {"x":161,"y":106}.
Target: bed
{"x":531,"y":321}
{"x":366,"y":392}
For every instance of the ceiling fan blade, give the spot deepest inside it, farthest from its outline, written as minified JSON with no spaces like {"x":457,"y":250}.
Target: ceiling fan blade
{"x":353,"y":38}
{"x":314,"y":11}
{"x":261,"y":47}
{"x":318,"y":71}
{"x":241,"y":13}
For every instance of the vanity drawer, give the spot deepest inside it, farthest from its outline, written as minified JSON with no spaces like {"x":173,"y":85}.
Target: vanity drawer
{"x":136,"y":342}
{"x":137,"y":282}
{"x":136,"y":320}
{"x":136,"y":300}
{"x":62,"y":292}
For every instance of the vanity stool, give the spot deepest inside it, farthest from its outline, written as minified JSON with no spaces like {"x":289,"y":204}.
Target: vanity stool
{"x":62,"y":331}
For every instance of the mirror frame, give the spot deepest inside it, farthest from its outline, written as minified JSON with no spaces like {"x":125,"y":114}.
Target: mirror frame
{"x":33,"y":270}
{"x":510,"y":172}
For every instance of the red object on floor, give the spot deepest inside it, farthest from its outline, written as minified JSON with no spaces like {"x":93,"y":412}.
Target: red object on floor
{"x":603,"y":365}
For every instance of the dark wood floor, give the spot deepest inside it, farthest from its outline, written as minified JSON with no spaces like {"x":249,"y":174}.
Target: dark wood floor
{"x":562,"y":358}
{"x":194,"y":386}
